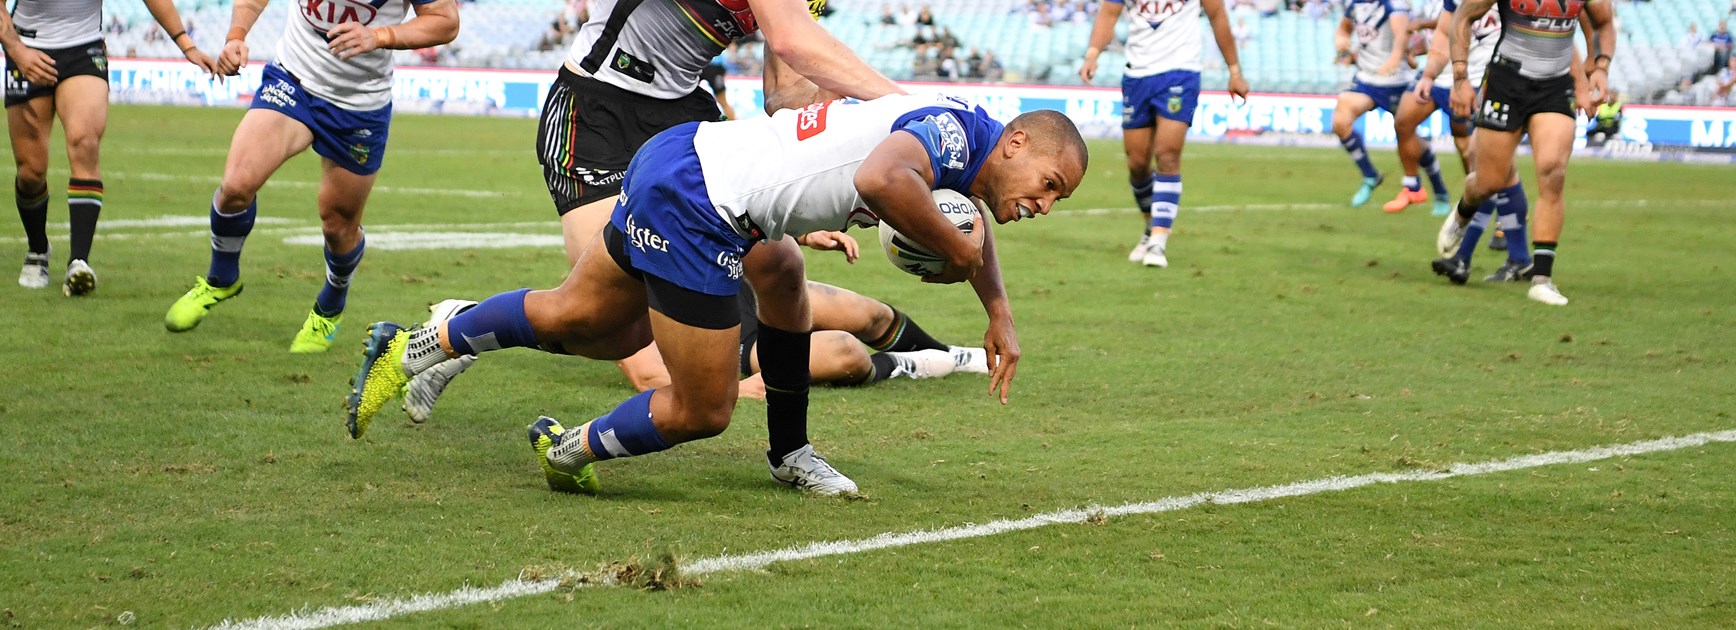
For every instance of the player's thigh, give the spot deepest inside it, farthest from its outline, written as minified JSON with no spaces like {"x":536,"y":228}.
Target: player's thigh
{"x":1552,"y":138}
{"x":776,"y":272}
{"x":81,"y":102}
{"x":837,"y":308}
{"x":1167,"y":145}
{"x":1493,"y":158}
{"x":30,"y":124}
{"x":1351,"y":106}
{"x":263,"y":141}
{"x":580,"y":226}
{"x":702,"y":364}
{"x":1411,"y":114}
{"x":1138,"y":144}
{"x":598,"y":311}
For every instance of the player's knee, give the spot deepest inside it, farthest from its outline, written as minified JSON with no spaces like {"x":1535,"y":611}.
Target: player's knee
{"x":1169,"y":161}
{"x":1552,"y":175}
{"x":31,"y":178}
{"x":700,"y":421}
{"x":339,"y":222}
{"x":84,"y":149}
{"x":233,"y":198}
{"x":1138,"y":167}
{"x":1343,"y":127}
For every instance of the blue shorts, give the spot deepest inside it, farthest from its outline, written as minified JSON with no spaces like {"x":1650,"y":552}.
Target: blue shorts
{"x":1443,"y":98}
{"x":353,"y":140}
{"x":1385,"y":97}
{"x":1172,"y":95}
{"x":671,"y":229}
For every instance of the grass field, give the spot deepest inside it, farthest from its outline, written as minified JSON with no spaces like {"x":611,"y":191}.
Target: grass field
{"x":178,"y":480}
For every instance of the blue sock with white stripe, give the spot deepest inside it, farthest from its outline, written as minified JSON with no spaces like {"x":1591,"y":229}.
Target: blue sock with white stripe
{"x":1511,"y":210}
{"x":626,"y":431}
{"x":1353,"y":145}
{"x":339,"y":269}
{"x":498,"y":322}
{"x":1433,"y":167}
{"x":228,"y":233}
{"x":1165,"y":199}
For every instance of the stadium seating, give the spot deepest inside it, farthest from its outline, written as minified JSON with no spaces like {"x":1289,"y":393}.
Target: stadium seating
{"x":1288,"y":52}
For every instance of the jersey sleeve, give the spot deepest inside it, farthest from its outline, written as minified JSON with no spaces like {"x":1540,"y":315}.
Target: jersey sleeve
{"x":957,"y":141}
{"x":1449,"y":5}
{"x":1398,"y":6}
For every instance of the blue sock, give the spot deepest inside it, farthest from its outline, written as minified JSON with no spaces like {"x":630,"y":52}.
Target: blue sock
{"x":228,"y":233}
{"x":1511,"y":208}
{"x":1353,"y":145}
{"x":498,"y":322}
{"x":1433,"y":167}
{"x":339,"y":268}
{"x":1165,"y":199}
{"x":1142,"y":196}
{"x":1474,"y":231}
{"x":626,"y":431}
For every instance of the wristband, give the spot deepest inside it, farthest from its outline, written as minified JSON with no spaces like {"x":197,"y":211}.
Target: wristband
{"x":1093,"y":51}
{"x":177,"y":35}
{"x":1600,"y":57}
{"x":236,"y":34}
{"x":386,"y":37}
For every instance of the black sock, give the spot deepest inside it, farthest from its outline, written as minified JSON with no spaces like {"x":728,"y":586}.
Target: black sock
{"x":83,"y":203}
{"x":905,"y":336}
{"x":881,"y":366}
{"x":783,"y":357}
{"x":1466,"y":212}
{"x":1543,"y":258}
{"x":33,"y":213}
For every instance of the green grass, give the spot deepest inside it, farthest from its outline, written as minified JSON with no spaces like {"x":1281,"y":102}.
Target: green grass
{"x":190,"y":478}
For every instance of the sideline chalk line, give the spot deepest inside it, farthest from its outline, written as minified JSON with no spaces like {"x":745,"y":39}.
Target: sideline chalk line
{"x":388,"y":608}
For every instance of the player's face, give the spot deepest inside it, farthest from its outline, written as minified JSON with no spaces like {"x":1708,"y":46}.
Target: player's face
{"x":1028,"y":183}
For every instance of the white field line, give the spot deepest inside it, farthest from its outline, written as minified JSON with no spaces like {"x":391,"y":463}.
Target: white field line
{"x":223,"y":151}
{"x":384,"y":609}
{"x":391,"y":241}
{"x":1257,"y":207}
{"x":168,"y":220}
{"x":292,"y":183}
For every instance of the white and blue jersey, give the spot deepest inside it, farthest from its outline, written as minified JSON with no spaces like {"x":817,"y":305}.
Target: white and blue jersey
{"x":698,"y":196}
{"x":1371,"y":26}
{"x":1164,"y":55}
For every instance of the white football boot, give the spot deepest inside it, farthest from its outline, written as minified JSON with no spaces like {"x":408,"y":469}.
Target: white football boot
{"x":1543,"y":290}
{"x":806,"y":470}
{"x":1447,"y":242}
{"x":1138,"y":253}
{"x":424,"y":389}
{"x":969,"y":360}
{"x":34,"y":275}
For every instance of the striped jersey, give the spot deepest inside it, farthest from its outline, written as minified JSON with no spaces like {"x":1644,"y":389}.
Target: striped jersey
{"x":1538,"y":35}
{"x":1162,"y":35}
{"x":802,"y":177}
{"x":51,"y":24}
{"x":1371,"y":25}
{"x":658,"y":47}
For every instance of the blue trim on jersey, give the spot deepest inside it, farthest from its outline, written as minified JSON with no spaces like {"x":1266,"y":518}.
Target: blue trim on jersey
{"x":672,"y":231}
{"x":1173,"y":95}
{"x":1385,"y":97}
{"x":957,"y":141}
{"x":1449,"y":5}
{"x":1384,"y":16}
{"x":354,"y":140}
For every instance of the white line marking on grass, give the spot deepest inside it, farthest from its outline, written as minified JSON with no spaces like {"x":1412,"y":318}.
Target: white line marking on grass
{"x":172,"y":220}
{"x":326,"y":617}
{"x":1587,"y":203}
{"x":387,"y":241}
{"x":292,"y":183}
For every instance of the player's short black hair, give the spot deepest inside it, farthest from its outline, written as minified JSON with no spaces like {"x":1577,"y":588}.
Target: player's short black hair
{"x":1051,"y":130}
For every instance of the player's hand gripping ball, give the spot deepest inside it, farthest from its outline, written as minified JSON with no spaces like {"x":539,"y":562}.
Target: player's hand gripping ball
{"x":916,"y":260}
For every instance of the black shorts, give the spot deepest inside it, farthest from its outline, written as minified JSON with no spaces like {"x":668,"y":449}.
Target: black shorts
{"x":590,"y":131}
{"x":1509,"y":100}
{"x":84,"y":60}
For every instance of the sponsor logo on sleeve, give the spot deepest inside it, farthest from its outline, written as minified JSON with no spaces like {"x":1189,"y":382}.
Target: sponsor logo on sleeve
{"x":811,"y":120}
{"x":954,"y":149}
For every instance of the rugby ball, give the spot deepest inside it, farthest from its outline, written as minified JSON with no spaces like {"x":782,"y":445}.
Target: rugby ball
{"x":916,"y":260}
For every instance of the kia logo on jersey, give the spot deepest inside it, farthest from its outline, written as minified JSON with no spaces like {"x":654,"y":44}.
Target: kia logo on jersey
{"x":326,"y":15}
{"x":1154,"y":12}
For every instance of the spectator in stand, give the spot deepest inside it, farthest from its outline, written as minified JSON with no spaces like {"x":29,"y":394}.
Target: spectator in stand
{"x":1727,"y":81}
{"x":947,"y":39}
{"x":1606,"y":125}
{"x":906,"y":17}
{"x":886,"y":17}
{"x":973,"y":64}
{"x":925,"y":16}
{"x":1315,"y":9}
{"x":948,"y":67}
{"x":1721,"y":43}
{"x":1267,"y":8}
{"x":1242,"y":32}
{"x":990,"y":69}
{"x":1692,"y":38}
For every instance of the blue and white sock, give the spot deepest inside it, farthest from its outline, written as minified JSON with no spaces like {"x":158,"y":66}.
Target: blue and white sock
{"x":626,"y":431}
{"x":1165,"y":199}
{"x":498,"y":322}
{"x":1412,"y":183}
{"x":1511,"y":208}
{"x":339,"y":269}
{"x":1433,"y":167}
{"x":1353,"y":145}
{"x":228,"y":234}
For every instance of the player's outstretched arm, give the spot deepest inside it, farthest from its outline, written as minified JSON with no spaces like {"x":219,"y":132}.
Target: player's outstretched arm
{"x":435,"y":23}
{"x":170,"y":19}
{"x":1102,"y":30}
{"x":38,"y":67}
{"x":1400,"y":24}
{"x":896,"y":182}
{"x":787,"y":89}
{"x":829,"y":241}
{"x":794,"y":37}
{"x":1227,"y":44}
{"x":1000,"y":341}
